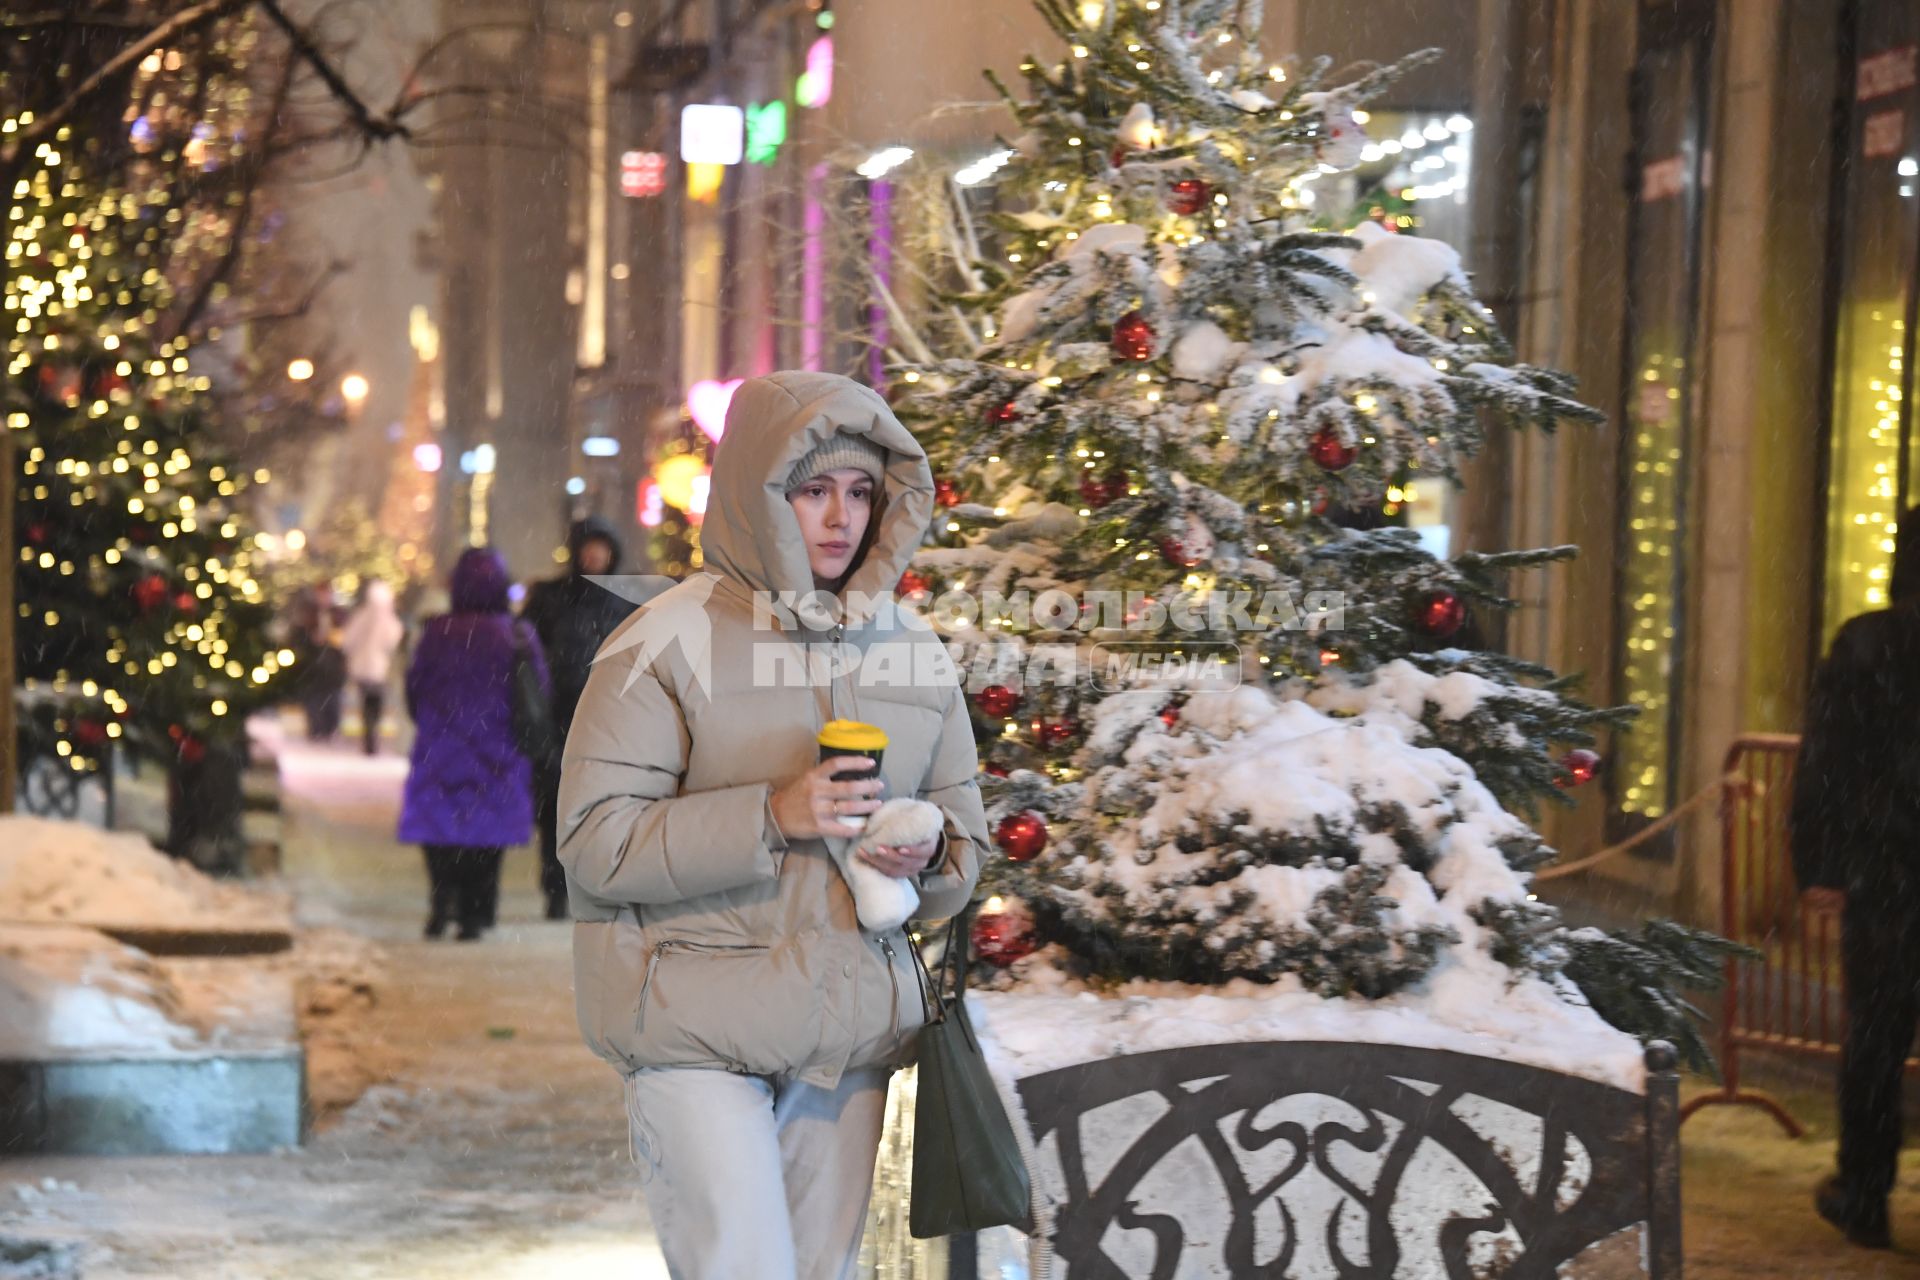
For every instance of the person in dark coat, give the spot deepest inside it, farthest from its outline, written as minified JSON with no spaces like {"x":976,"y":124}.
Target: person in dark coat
{"x":322,"y":667}
{"x":469,"y":789}
{"x":1855,"y":826}
{"x":573,"y":616}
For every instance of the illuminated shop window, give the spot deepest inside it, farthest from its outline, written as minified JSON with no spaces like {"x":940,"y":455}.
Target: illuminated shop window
{"x":1869,"y":481}
{"x":1663,"y":297}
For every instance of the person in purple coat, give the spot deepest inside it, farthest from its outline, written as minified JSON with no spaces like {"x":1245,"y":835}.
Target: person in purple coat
{"x":469,"y":789}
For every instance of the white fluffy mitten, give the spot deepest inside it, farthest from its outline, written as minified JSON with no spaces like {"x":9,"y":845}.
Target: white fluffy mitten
{"x":883,"y":902}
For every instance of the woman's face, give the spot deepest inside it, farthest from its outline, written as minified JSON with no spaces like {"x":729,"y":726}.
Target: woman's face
{"x":833,"y":509}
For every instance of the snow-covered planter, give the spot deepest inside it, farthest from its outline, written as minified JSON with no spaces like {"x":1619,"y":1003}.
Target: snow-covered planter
{"x":1172,"y":1137}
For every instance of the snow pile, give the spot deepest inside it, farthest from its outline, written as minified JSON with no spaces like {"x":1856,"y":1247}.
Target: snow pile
{"x":1469,"y":1004}
{"x":1398,"y":271}
{"x":1347,"y":879}
{"x":70,"y":991}
{"x":1250,"y":810}
{"x":68,"y":872}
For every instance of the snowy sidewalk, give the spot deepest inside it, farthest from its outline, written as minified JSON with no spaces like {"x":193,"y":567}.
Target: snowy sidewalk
{"x":495,"y":1151}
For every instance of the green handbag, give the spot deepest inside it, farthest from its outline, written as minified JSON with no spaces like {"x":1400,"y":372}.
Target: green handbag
{"x":968,"y":1173}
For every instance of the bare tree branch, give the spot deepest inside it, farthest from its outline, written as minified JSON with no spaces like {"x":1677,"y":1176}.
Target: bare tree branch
{"x":299,"y":309}
{"x":376,"y":128}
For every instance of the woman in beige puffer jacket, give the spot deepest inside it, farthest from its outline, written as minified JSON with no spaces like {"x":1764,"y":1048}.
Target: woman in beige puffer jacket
{"x":718,"y":961}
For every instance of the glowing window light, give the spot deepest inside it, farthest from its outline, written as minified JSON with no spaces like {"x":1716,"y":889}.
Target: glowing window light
{"x":815,"y":86}
{"x":600,"y":447}
{"x":643,"y":174}
{"x":1862,"y":506}
{"x":704,"y":182}
{"x":766,"y":131}
{"x":648,"y":507}
{"x":982,"y":169}
{"x":712,"y":133}
{"x":882,"y":162}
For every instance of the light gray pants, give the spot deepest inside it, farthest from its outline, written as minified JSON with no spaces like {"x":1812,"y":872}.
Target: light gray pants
{"x":756,"y":1177}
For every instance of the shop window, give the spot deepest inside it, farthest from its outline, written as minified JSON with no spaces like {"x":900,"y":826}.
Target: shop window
{"x":1670,"y":174}
{"x":1872,"y":442}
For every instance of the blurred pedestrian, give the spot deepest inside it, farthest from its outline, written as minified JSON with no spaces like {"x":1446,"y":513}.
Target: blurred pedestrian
{"x":370,"y":639}
{"x":469,"y":791}
{"x":322,"y":668}
{"x":572,"y":616}
{"x":1856,"y":845}
{"x":719,"y":962}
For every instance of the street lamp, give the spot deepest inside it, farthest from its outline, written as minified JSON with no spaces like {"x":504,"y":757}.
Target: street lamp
{"x":355,"y":389}
{"x":300,"y":370}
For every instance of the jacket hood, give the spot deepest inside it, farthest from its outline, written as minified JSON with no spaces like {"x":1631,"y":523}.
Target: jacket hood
{"x":1904,"y":588}
{"x":587,"y":530}
{"x":480,"y":582}
{"x":750,"y":534}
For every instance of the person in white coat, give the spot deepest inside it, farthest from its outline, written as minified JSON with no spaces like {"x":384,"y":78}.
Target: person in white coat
{"x":372,"y":636}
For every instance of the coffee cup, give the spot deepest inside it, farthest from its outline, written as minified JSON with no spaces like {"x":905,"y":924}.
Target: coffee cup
{"x":853,"y":738}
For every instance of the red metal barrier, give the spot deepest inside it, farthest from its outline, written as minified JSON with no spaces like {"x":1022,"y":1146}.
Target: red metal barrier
{"x":1792,"y":999}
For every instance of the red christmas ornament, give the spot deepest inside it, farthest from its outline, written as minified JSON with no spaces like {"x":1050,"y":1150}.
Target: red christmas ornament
{"x":37,"y":532}
{"x":89,"y":732}
{"x":1189,"y":196}
{"x":103,"y":384}
{"x":997,"y":700}
{"x":1170,"y":715}
{"x":60,"y":383}
{"x":185,"y":603}
{"x":945,"y":493}
{"x":1095,"y":491}
{"x":150,"y":592}
{"x":1440,"y":614}
{"x":1006,"y":415}
{"x":1002,"y":938}
{"x":1330,"y":451}
{"x":1578,"y":767}
{"x":1176,"y":554}
{"x":1021,"y":836}
{"x":192,"y":750}
{"x":995,"y":770}
{"x":1133,"y":338}
{"x":1054,"y":732}
{"x":912,"y":584}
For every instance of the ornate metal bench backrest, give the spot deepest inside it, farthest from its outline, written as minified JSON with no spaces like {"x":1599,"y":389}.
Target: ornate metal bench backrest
{"x":1417,"y":1162}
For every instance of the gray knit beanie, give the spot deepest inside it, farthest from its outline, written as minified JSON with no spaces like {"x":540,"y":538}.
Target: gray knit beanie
{"x":843,"y":450}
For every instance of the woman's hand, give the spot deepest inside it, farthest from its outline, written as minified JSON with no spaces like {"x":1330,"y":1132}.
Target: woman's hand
{"x":812,"y":804}
{"x":902,"y":861}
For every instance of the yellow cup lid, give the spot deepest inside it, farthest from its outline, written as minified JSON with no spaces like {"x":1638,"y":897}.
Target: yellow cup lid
{"x":852,"y":735}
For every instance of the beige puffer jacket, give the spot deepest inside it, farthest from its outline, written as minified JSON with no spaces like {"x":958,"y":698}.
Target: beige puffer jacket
{"x":702,"y":940}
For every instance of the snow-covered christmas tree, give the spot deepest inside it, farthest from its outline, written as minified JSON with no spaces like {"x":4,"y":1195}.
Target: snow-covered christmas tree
{"x":1172,"y":382}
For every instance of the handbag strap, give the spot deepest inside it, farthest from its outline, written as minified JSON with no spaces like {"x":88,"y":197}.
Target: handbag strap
{"x":933,"y":990}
